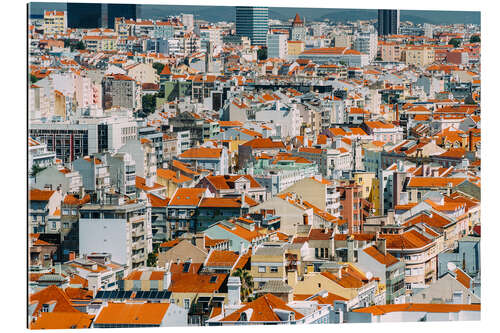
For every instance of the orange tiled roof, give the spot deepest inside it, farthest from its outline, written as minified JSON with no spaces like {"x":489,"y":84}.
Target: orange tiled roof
{"x":192,"y":282}
{"x":132,"y":314}
{"x":172,"y":175}
{"x":329,"y":299}
{"x":140,"y":183}
{"x":156,"y":201}
{"x":227,"y":181}
{"x":387,"y":259}
{"x":416,"y":307}
{"x":202,"y":152}
{"x":53,"y":293}
{"x":186,"y":197}
{"x":434,"y":182}
{"x":260,"y":143}
{"x":62,"y":320}
{"x":222,"y":259}
{"x":408,"y":240}
{"x":226,"y":202}
{"x":263,"y":310}
{"x":40,"y":195}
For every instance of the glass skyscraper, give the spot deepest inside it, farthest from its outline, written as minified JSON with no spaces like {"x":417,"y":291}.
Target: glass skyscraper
{"x":253,"y":22}
{"x":99,"y":15}
{"x":388,"y":22}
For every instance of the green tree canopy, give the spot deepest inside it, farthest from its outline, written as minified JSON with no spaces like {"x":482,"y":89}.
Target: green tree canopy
{"x":159,"y":67}
{"x":455,"y":42}
{"x":246,"y":283}
{"x":475,"y":39}
{"x":33,"y":79}
{"x":262,"y":54}
{"x":149,"y":103}
{"x":152,"y":259}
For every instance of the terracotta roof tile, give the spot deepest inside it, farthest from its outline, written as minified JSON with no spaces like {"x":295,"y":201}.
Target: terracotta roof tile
{"x":132,"y":314}
{"x":263,"y":310}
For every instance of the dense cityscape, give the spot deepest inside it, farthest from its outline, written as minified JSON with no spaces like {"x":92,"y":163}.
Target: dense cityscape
{"x":253,"y":171}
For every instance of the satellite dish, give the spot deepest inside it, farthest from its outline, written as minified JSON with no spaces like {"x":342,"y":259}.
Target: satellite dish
{"x":451,"y":267}
{"x":369,"y":275}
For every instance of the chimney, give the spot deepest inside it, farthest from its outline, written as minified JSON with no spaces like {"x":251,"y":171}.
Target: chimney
{"x":350,"y":249}
{"x":381,"y":246}
{"x":199,"y":241}
{"x":233,"y":290}
{"x":167,"y":279}
{"x":470,"y":140}
{"x":390,"y":216}
{"x":178,"y":174}
{"x":292,"y":278}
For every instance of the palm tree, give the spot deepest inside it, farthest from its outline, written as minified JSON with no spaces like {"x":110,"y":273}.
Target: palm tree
{"x":246,"y":283}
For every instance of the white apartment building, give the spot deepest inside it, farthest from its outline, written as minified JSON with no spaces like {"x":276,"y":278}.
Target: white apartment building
{"x":39,"y":155}
{"x":277,"y":46}
{"x":119,"y":228}
{"x":366,"y":43}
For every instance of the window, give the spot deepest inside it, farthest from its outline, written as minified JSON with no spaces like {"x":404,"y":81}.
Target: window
{"x":186,"y":303}
{"x":262,"y":269}
{"x":65,"y":225}
{"x":274,"y":269}
{"x":408,"y":286}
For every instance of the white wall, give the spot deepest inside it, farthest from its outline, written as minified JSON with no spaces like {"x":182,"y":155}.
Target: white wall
{"x":104,"y":235}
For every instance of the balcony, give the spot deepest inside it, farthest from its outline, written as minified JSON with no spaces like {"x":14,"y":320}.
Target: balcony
{"x":138,"y":232}
{"x":139,"y":257}
{"x":138,"y":245}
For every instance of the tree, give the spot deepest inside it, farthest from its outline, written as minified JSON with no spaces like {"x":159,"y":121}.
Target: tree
{"x":36,"y":169}
{"x":149,"y":103}
{"x":455,"y":42}
{"x":262,"y":53}
{"x":246,"y":284}
{"x":475,"y":39}
{"x":80,"y":45}
{"x":33,"y":79}
{"x":152,"y":259}
{"x":159,"y":67}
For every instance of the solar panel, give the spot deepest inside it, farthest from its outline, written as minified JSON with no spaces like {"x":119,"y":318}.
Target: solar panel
{"x":128,"y":294}
{"x":121,"y":293}
{"x":113,"y":294}
{"x":163,"y":294}
{"x":145,"y":294}
{"x":153,"y":293}
{"x":106,"y":294}
{"x":139,"y":294}
{"x":99,"y":294}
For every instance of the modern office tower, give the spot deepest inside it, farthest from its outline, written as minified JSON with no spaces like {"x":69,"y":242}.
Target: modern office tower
{"x":128,"y":11}
{"x":85,"y":15}
{"x":253,"y":22}
{"x":388,"y":22}
{"x":99,"y":15}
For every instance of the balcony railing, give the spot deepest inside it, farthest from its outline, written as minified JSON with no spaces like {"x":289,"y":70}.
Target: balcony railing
{"x":138,"y":232}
